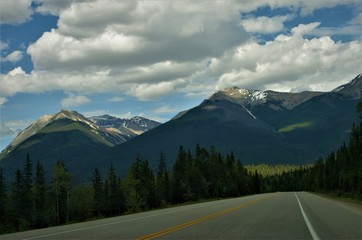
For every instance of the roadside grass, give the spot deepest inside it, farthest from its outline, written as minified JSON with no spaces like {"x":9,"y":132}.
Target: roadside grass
{"x":342,"y":198}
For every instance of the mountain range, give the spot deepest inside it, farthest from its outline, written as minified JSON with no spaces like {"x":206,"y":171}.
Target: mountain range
{"x":257,"y":126}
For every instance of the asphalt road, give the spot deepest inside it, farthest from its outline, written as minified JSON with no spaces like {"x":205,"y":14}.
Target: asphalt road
{"x":290,"y":215}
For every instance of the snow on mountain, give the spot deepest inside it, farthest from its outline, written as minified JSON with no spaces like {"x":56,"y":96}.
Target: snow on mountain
{"x":131,"y":127}
{"x":111,"y":129}
{"x":42,"y":122}
{"x":252,"y":98}
{"x":351,"y":89}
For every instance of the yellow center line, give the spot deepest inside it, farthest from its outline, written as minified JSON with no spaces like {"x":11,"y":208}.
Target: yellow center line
{"x":199,"y":220}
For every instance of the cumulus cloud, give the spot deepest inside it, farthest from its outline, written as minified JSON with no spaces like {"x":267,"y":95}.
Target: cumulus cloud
{"x":290,"y":63}
{"x":128,"y":34}
{"x":151,"y":91}
{"x":15,"y":12}
{"x":13,"y":57}
{"x":264,"y":24}
{"x":53,"y":7}
{"x":149,"y":49}
{"x":74,"y":101}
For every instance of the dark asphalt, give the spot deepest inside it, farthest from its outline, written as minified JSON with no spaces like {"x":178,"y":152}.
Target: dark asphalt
{"x":264,"y":216}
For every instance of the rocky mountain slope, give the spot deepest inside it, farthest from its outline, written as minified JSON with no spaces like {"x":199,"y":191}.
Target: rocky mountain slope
{"x":258,"y":126}
{"x":70,"y":136}
{"x":129,"y":127}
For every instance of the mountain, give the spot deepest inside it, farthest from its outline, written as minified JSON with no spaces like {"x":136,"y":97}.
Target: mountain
{"x":258,"y":126}
{"x":66,"y":135}
{"x":128,"y":127}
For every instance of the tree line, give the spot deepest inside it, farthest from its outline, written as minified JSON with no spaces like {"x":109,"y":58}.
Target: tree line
{"x":30,"y":202}
{"x":340,"y":173}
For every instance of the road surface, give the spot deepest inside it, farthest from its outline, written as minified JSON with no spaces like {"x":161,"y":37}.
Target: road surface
{"x":280,"y":215}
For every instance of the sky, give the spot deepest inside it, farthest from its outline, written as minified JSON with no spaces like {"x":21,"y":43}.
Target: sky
{"x":155,"y":58}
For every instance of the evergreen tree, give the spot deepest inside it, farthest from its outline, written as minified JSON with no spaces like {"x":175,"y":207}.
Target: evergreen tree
{"x":115,"y":196}
{"x":81,"y":203}
{"x":113,"y":191}
{"x":3,"y":200}
{"x":140,"y":183}
{"x":106,"y":208}
{"x":27,"y":198}
{"x":61,"y":186}
{"x":98,"y":192}
{"x":17,"y":220}
{"x":40,"y":194}
{"x":162,"y":182}
{"x":179,"y":182}
{"x":256,"y":182}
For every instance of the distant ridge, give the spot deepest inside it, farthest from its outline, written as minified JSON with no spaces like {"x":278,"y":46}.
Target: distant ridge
{"x":257,"y":126}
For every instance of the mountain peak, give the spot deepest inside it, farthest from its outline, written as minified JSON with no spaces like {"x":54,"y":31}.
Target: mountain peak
{"x":351,"y":89}
{"x":244,"y":97}
{"x":43,"y":121}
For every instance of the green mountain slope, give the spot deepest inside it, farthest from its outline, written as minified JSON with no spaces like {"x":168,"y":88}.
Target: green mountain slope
{"x":63,"y":138}
{"x":259,"y":127}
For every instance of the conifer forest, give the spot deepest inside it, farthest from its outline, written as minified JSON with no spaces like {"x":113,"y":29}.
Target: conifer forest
{"x":31,"y":202}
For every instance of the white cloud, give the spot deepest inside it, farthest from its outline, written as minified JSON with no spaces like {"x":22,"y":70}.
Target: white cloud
{"x":116,"y":99}
{"x":15,"y":12}
{"x":54,"y":7}
{"x":352,"y":28}
{"x":17,"y":71}
{"x":3,"y":100}
{"x":265,"y":24}
{"x":290,"y":63}
{"x":5,"y":131}
{"x":3,"y":45}
{"x":13,"y":57}
{"x":150,"y":49}
{"x":151,"y":91}
{"x":164,"y":109}
{"x":126,"y":115}
{"x":126,"y":34}
{"x":74,"y":101}
{"x":94,"y":113}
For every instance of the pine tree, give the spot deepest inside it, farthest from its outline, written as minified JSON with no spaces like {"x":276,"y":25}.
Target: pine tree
{"x":256,"y":182}
{"x":179,"y":183}
{"x":61,"y":185}
{"x":115,"y":193}
{"x":3,"y":199}
{"x":40,"y":194}
{"x":162,"y":182}
{"x":16,"y":201}
{"x":27,"y":198}
{"x":140,"y":184}
{"x":98,"y":192}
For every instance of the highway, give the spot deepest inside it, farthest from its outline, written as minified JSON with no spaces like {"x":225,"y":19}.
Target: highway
{"x":282,"y":215}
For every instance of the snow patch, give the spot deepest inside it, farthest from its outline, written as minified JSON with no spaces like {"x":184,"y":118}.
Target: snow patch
{"x":249,"y":112}
{"x":338,"y":89}
{"x":258,"y":95}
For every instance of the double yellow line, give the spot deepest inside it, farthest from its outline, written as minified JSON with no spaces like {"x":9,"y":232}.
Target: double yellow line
{"x":199,"y":220}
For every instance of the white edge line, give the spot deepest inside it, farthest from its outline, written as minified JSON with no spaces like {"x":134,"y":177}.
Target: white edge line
{"x":102,"y":225}
{"x":309,"y":225}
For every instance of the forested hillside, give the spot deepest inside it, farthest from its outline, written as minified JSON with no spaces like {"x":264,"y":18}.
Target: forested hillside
{"x":30,"y":202}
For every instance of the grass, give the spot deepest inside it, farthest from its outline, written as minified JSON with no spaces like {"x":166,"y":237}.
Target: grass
{"x":292,"y":127}
{"x":346,"y":199}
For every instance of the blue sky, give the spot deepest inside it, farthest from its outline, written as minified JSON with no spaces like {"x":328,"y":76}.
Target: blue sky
{"x":157,"y":58}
